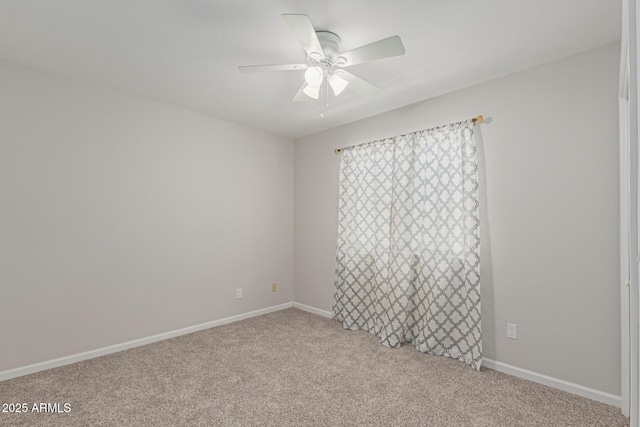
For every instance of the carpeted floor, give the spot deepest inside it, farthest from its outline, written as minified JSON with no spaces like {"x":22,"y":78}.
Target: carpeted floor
{"x":290,"y":368}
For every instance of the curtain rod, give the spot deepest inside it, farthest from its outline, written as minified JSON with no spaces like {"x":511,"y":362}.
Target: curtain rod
{"x":474,"y":120}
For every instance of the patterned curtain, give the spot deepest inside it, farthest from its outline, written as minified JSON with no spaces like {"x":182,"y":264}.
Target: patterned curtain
{"x":408,"y":263}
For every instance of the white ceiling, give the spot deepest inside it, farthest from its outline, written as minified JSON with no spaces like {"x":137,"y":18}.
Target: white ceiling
{"x":186,"y":52}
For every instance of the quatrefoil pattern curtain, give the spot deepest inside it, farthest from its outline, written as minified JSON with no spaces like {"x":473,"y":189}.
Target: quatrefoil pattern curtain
{"x":408,"y":250}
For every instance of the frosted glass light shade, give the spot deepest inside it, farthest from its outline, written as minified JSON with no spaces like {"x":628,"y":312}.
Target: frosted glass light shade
{"x":337,"y":84}
{"x":313,"y":76}
{"x":312,"y":91}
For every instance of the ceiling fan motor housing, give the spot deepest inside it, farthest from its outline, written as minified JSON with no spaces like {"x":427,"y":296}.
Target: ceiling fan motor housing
{"x":330,"y":43}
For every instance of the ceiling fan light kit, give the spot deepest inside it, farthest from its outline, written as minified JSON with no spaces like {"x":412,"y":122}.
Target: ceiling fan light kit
{"x":337,"y":83}
{"x":312,"y":91}
{"x":324,"y":67}
{"x":313,"y":76}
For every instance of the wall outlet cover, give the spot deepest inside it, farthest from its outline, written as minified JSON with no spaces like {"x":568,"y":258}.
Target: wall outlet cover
{"x":512,"y":331}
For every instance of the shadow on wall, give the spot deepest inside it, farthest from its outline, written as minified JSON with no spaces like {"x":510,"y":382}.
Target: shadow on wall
{"x":486,"y":262}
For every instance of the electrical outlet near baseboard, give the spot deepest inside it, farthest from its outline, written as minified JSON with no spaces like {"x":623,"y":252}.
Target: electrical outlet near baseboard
{"x":512,"y":331}
{"x":274,"y":287}
{"x":239,"y":293}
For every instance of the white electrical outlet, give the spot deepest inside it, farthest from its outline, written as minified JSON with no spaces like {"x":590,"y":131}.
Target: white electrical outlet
{"x":239,"y":293}
{"x":512,"y":331}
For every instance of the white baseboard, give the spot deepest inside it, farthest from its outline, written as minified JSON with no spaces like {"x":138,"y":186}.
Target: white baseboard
{"x":577,"y":389}
{"x":313,"y":310}
{"x":67,"y":360}
{"x":590,"y":393}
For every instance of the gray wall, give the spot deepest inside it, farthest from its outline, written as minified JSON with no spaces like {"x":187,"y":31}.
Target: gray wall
{"x":121,"y":218}
{"x":550,"y":212}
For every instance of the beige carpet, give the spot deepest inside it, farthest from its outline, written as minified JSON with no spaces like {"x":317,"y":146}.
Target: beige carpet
{"x":290,"y":368}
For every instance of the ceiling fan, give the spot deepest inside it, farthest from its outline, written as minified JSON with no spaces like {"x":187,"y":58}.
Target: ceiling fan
{"x":325,"y":65}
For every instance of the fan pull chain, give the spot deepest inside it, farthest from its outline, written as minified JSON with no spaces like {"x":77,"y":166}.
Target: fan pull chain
{"x":324,"y":97}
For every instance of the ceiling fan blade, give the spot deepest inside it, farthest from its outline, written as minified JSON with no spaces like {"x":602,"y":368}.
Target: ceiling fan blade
{"x":385,"y":48}
{"x":300,"y":95}
{"x":304,"y":32}
{"x":359,"y":85}
{"x":279,"y":67}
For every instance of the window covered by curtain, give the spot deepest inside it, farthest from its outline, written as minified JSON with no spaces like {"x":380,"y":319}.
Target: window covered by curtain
{"x":407,"y":264}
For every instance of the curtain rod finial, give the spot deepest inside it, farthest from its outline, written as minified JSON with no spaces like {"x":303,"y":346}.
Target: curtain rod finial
{"x":337,"y":151}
